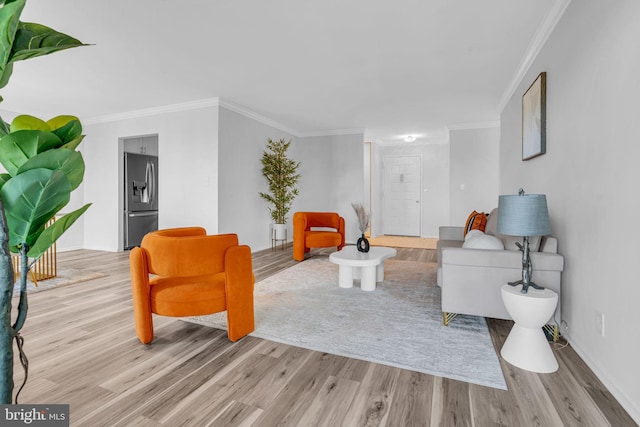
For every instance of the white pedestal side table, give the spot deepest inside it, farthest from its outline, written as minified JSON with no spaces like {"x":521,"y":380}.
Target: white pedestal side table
{"x":526,"y":346}
{"x":367,"y":266}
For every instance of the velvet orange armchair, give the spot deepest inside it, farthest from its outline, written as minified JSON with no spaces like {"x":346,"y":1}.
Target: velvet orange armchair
{"x":311,"y":230}
{"x":184,"y":272}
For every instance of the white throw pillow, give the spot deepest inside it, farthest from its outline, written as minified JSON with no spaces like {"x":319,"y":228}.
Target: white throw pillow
{"x":472,"y":233}
{"x":483,"y":241}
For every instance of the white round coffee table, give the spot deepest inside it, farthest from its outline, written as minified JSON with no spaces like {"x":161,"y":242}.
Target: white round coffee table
{"x":526,"y":346}
{"x":367,"y":266}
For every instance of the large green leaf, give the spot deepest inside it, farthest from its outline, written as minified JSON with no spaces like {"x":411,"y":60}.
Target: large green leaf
{"x":9,"y":22}
{"x":72,"y":145}
{"x":27,"y":122}
{"x":18,"y":147}
{"x":4,"y":178}
{"x":7,"y":71}
{"x":4,"y":126}
{"x":68,"y":161}
{"x":30,"y":200}
{"x":68,"y":128}
{"x":50,"y":234}
{"x":33,"y":40}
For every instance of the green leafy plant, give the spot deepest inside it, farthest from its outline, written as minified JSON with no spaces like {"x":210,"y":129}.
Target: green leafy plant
{"x":43,"y":168}
{"x":282,"y":176}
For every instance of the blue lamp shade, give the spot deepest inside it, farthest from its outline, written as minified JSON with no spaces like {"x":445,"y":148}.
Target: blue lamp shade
{"x":523,"y":215}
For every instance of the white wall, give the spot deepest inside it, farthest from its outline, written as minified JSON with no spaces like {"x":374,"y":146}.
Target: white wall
{"x":241,"y":210}
{"x":332,"y":176}
{"x":210,"y":175}
{"x":435,"y":182}
{"x":590,"y":174}
{"x":474,"y":165}
{"x":188,"y":173}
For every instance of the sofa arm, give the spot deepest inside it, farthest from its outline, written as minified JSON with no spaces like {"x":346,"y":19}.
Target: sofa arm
{"x":448,"y":232}
{"x":486,"y":258}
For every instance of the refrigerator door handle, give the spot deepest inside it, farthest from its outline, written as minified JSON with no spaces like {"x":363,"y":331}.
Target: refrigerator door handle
{"x":146,"y":192}
{"x":144,"y":213}
{"x":152,"y":182}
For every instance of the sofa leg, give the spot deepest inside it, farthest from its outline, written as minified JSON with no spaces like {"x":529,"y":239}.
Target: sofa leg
{"x":448,"y":317}
{"x":554,"y":331}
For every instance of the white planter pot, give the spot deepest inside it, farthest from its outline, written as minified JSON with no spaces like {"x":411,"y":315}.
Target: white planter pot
{"x":279,"y":231}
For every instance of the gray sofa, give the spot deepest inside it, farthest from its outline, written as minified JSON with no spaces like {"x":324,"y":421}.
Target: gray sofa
{"x":471,"y":278}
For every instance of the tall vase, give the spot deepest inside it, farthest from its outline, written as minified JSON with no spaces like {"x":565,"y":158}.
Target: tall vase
{"x":362,"y":244}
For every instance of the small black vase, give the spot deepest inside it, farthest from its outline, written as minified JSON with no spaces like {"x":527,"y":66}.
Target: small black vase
{"x":362,"y":244}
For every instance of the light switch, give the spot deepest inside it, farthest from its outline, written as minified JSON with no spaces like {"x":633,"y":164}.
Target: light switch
{"x":462,"y":187}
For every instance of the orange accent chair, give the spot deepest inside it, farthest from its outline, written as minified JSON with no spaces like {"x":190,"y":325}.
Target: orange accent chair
{"x":183,"y":272}
{"x":310,"y":230}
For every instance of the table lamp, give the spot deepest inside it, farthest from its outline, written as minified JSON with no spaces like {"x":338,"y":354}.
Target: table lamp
{"x":524,"y":215}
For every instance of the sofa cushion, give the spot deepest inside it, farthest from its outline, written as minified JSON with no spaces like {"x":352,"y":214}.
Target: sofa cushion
{"x":492,"y":223}
{"x":483,"y":241}
{"x":475,"y":221}
{"x":322,"y":239}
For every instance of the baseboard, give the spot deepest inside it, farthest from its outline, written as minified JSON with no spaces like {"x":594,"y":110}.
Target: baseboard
{"x":631,"y":407}
{"x":68,"y":248}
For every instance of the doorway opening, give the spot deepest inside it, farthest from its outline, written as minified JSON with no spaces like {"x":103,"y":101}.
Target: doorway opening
{"x":139,"y":186}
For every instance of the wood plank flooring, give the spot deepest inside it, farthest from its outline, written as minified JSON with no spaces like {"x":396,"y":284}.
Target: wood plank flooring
{"x":83,"y":351}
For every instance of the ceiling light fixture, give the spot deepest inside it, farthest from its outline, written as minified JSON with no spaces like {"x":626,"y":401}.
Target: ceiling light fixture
{"x":409,"y":138}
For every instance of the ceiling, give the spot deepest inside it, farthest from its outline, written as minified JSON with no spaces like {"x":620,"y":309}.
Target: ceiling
{"x":315,"y":67}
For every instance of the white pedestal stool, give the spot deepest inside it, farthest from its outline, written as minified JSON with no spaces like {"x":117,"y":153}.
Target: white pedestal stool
{"x":526,"y":346}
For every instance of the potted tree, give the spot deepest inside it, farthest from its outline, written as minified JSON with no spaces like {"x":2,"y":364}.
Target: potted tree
{"x":282,"y":176}
{"x":43,"y":168}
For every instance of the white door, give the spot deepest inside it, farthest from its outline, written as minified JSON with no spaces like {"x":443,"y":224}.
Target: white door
{"x":401,"y":195}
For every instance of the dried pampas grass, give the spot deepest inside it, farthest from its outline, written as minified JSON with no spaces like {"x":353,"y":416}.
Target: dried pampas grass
{"x":363,"y":216}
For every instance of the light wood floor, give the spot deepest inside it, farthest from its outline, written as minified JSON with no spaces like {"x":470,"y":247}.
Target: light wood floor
{"x":404,"y":241}
{"x":82,"y":349}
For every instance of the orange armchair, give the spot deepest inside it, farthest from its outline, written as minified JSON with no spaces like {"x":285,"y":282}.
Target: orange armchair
{"x":183,"y":272}
{"x":306,"y":234}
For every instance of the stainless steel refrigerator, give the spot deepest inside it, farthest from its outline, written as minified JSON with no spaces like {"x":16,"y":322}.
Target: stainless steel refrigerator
{"x":140,"y":197}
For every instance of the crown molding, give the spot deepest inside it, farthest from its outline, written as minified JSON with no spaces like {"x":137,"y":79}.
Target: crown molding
{"x":536,"y":45}
{"x":476,"y":125}
{"x":214,"y":102}
{"x":246,"y":112}
{"x":352,"y":131}
{"x":153,"y":111}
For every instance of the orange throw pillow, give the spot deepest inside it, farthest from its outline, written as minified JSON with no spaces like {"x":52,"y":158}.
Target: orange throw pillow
{"x":476,"y":221}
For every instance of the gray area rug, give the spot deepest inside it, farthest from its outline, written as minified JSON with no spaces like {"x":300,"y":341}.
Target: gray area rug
{"x":64,"y":277}
{"x":399,"y":324}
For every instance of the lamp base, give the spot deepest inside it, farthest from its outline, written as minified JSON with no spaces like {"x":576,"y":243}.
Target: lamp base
{"x":525,"y":286}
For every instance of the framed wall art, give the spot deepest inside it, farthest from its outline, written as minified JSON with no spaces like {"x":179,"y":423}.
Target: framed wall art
{"x":534,"y":115}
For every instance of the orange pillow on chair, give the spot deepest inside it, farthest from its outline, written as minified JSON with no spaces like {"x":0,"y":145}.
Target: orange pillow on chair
{"x":476,"y":221}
